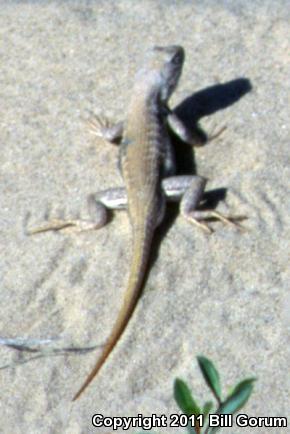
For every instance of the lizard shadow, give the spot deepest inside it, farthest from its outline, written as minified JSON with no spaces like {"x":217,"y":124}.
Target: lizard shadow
{"x":205,"y":102}
{"x":202,"y":103}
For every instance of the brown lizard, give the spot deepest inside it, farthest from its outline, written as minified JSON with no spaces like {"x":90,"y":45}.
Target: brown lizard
{"x":148,"y":168}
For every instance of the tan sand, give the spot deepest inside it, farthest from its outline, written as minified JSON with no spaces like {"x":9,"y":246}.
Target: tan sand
{"x":225,"y":296}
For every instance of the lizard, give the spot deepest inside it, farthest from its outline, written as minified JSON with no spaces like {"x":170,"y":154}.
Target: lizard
{"x":147,"y":166}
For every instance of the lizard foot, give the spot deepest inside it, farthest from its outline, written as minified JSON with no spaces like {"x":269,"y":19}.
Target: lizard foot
{"x":97,"y":212}
{"x":228,"y":220}
{"x":96,"y":124}
{"x":197,"y":218}
{"x":100,"y":126}
{"x":73,"y":225}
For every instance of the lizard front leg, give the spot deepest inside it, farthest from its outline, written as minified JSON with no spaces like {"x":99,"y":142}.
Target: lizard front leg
{"x":187,"y":135}
{"x":189,"y":191}
{"x":98,"y":206}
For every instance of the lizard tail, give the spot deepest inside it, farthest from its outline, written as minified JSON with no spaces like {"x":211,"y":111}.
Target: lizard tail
{"x":140,"y":252}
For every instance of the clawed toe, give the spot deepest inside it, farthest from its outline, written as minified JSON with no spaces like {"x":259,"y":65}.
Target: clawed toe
{"x":230,"y":220}
{"x":52,"y":225}
{"x":96,"y":124}
{"x":75,"y":225}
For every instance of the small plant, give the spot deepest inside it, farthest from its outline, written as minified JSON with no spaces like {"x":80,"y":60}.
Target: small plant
{"x":197,"y":416}
{"x":232,"y":403}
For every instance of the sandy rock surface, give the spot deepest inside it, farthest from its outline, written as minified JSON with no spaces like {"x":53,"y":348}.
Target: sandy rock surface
{"x":226,"y":295}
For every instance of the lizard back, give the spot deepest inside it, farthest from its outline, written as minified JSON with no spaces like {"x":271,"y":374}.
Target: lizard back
{"x":142,"y":153}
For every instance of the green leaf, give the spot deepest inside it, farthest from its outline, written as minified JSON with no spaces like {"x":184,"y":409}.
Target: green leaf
{"x":207,"y":408}
{"x":211,"y":376}
{"x":184,"y":399}
{"x":190,"y":429}
{"x":236,"y":400}
{"x":238,"y":397}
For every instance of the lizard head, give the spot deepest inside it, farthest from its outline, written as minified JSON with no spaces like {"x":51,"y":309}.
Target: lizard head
{"x":167,"y":62}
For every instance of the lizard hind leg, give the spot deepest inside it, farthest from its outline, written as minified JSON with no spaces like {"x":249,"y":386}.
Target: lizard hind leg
{"x":189,"y":191}
{"x":190,"y":201}
{"x":74,"y":225}
{"x":98,"y":206}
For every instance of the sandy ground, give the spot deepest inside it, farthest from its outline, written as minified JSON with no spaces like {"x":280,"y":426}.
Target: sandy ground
{"x":226,"y":295}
